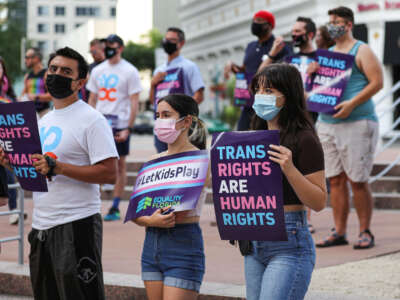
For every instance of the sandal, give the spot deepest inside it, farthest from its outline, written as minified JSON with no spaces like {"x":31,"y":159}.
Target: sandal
{"x":311,"y":228}
{"x":362,"y":238}
{"x":333,"y":240}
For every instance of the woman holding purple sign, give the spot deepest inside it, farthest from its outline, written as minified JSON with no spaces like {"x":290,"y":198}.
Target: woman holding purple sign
{"x":282,"y":270}
{"x":173,"y":260}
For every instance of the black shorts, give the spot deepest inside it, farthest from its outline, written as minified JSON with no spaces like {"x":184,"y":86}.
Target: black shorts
{"x":123,"y":147}
{"x":65,"y":261}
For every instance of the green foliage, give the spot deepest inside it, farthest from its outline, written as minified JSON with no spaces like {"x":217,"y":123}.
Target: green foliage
{"x":142,"y":54}
{"x":12,"y":30}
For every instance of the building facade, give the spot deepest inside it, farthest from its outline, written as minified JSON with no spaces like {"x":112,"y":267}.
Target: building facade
{"x":217,"y":31}
{"x":49,"y":20}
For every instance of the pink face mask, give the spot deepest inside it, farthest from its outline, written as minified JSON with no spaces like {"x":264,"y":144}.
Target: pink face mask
{"x":165,"y":130}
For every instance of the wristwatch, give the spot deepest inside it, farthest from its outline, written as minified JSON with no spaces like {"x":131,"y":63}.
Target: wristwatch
{"x":51,"y":162}
{"x":272,"y":57}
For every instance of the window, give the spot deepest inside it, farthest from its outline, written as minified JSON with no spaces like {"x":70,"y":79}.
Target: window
{"x":43,"y":46}
{"x":87,"y":11}
{"x":113,"y":11}
{"x":59,"y":28}
{"x":43,"y":10}
{"x":59,"y":11}
{"x":78,"y":25}
{"x":43,"y":28}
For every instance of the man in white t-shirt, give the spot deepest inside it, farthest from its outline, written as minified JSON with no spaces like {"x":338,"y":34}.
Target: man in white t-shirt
{"x":114,"y":87}
{"x":176,"y":75}
{"x":80,"y":154}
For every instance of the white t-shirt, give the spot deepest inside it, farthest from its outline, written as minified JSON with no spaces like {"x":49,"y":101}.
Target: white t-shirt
{"x":114,"y":84}
{"x":78,"y":135}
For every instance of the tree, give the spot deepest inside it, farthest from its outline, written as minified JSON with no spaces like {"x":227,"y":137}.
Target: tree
{"x":12,"y":30}
{"x":142,"y":54}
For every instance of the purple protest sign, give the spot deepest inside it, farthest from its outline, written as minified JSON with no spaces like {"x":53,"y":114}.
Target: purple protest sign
{"x":301,"y":62}
{"x":19,"y":137}
{"x":242,"y":95}
{"x":329,"y":81}
{"x":173,"y":83}
{"x":174,"y":180}
{"x":247,"y":186}
{"x":113,"y":122}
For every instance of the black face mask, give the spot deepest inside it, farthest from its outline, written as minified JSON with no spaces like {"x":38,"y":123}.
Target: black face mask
{"x":59,"y":86}
{"x":110,"y":52}
{"x":169,"y":47}
{"x":299,"y":40}
{"x":258,"y":29}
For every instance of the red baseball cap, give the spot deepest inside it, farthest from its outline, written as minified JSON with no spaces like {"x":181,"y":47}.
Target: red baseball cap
{"x":267,"y":16}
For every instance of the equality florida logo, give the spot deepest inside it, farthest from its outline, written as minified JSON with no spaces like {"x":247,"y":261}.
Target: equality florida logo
{"x":158,"y":202}
{"x":144,"y":203}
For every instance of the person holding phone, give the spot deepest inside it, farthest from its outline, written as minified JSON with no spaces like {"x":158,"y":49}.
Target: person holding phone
{"x":282,"y":270}
{"x":256,"y":52}
{"x":173,"y":260}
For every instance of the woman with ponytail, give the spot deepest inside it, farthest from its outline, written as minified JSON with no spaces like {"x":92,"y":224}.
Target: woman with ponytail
{"x":173,"y":253}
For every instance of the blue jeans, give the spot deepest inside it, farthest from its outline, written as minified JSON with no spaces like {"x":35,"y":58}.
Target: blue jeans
{"x":174,"y":256}
{"x":282,"y":270}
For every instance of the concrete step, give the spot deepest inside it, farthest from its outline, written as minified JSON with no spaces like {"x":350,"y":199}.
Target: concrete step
{"x":15,"y":281}
{"x":377,"y":168}
{"x":387,"y":184}
{"x":134,"y":165}
{"x":386,"y":200}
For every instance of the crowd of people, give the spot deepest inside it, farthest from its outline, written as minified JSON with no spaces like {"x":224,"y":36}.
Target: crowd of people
{"x":66,"y":237}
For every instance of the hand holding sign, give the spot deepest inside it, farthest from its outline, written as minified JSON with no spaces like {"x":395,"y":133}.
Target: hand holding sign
{"x":158,"y":78}
{"x":19,"y":138}
{"x":329,"y":83}
{"x":40,"y":164}
{"x":247,"y":186}
{"x":344,"y":109}
{"x":4,"y":161}
{"x":160,"y":219}
{"x":312,"y":68}
{"x":170,"y":181}
{"x":282,"y":156}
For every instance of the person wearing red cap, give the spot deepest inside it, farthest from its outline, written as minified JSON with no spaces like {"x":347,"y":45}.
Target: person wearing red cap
{"x":257,"y":51}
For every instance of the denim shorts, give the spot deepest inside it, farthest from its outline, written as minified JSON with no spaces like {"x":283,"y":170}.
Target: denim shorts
{"x":174,"y":256}
{"x":282,"y":270}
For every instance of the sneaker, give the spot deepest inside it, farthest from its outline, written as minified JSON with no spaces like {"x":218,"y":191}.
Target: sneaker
{"x":113,"y":215}
{"x":15,"y":218}
{"x":107,"y":187}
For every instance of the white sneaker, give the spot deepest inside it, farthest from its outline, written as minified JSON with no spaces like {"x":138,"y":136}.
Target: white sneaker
{"x":15,"y":218}
{"x":107,"y":187}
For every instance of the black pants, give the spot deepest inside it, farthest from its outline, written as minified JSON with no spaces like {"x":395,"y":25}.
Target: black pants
{"x":245,"y":119}
{"x":65,"y":261}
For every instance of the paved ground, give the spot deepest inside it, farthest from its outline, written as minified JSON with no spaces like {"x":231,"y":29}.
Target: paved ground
{"x":342,"y":273}
{"x":122,"y":244}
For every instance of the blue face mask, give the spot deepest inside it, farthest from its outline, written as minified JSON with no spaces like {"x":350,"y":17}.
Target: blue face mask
{"x":265,"y":106}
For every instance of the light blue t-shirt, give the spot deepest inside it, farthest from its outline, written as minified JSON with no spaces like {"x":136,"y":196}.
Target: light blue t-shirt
{"x":191,"y":73}
{"x":356,"y":83}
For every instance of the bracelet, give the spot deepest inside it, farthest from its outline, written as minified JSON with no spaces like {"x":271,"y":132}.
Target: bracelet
{"x":272,"y":57}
